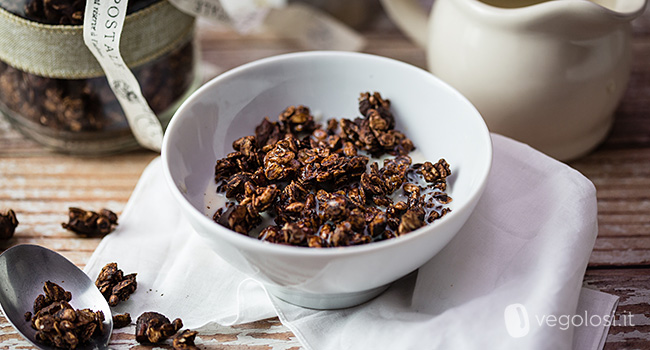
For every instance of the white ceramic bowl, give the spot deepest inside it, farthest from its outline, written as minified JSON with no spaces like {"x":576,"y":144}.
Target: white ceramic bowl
{"x":440,"y":122}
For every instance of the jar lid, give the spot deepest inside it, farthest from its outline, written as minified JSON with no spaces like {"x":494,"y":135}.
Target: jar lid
{"x":63,"y":12}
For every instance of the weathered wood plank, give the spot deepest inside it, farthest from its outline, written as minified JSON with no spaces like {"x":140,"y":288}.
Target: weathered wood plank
{"x":633,"y":288}
{"x":61,"y":165}
{"x":623,"y":230}
{"x":267,"y":334}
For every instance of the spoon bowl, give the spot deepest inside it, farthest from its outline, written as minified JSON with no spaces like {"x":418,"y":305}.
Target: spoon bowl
{"x":25,"y":268}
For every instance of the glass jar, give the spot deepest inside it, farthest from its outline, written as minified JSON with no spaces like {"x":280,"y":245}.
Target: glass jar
{"x":74,"y":110}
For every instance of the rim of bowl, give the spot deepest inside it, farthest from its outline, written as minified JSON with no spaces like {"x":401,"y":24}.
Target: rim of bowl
{"x":261,"y":246}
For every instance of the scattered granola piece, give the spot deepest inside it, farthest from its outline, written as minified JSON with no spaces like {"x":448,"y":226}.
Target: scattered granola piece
{"x":152,"y":327}
{"x":8,"y":224}
{"x":121,"y":320}
{"x":89,"y":223}
{"x":185,"y":340}
{"x":114,"y":285}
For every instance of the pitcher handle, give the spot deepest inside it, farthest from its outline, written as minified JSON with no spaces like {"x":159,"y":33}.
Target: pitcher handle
{"x":410,"y":17}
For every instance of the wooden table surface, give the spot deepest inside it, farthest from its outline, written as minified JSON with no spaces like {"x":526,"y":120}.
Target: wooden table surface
{"x":40,"y":185}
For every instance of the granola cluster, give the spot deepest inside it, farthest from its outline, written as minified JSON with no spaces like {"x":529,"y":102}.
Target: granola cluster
{"x":88,"y":223}
{"x":58,"y":324}
{"x":153,"y":327}
{"x":319,"y":184}
{"x":114,"y":285}
{"x":8,"y":224}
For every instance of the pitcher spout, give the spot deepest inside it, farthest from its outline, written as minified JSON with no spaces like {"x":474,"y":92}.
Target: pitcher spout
{"x":623,"y":9}
{"x":619,"y":8}
{"x":579,"y":19}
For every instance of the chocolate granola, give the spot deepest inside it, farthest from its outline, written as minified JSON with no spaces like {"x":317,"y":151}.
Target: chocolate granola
{"x":320,"y":185}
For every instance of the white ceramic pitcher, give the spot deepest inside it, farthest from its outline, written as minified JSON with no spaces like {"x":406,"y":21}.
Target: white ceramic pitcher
{"x":549,"y":73}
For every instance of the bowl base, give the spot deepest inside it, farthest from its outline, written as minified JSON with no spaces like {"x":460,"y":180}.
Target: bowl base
{"x":325,"y":301}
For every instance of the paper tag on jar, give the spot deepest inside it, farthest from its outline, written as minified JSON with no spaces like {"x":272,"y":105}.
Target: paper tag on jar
{"x":102,"y":30}
{"x":308,"y":25}
{"x":313,"y":29}
{"x":207,"y":9}
{"x":243,"y":15}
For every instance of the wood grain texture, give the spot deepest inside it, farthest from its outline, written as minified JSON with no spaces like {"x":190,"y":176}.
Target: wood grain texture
{"x":40,"y":185}
{"x":633,"y":287}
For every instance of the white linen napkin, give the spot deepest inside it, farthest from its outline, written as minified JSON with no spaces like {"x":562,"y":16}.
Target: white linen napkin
{"x":510,"y":279}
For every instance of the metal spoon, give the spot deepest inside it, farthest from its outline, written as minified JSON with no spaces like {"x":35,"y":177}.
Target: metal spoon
{"x":25,"y":268}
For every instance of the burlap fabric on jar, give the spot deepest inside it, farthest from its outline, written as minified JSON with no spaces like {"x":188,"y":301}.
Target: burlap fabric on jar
{"x":53,"y":89}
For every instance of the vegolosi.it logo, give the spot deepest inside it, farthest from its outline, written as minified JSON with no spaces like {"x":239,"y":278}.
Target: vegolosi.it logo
{"x":517,"y":320}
